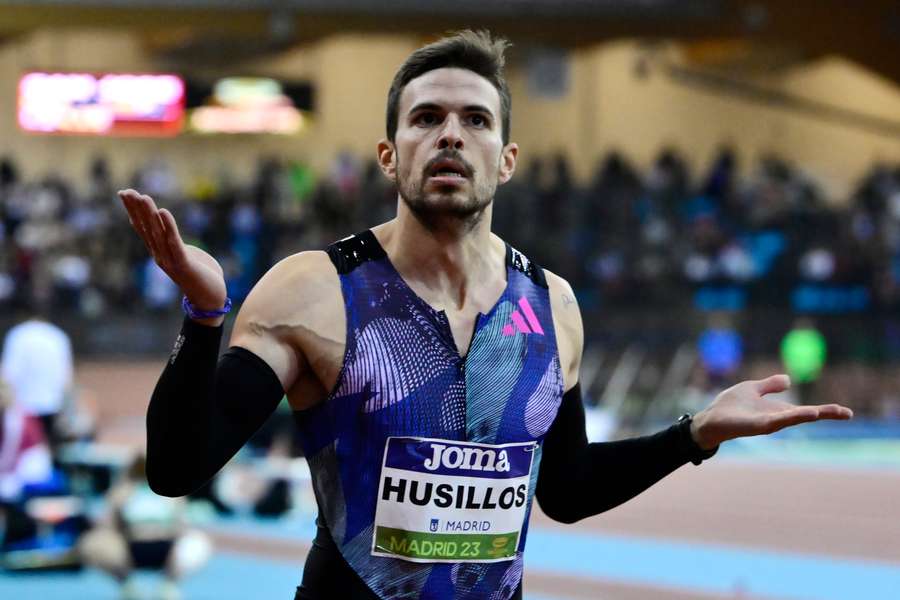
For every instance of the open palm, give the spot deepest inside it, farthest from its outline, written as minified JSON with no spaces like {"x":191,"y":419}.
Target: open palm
{"x":745,"y":410}
{"x":197,"y":273}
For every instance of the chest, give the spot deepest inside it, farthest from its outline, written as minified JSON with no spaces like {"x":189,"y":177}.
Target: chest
{"x":412,"y":370}
{"x":462,"y":327}
{"x":462,"y":322}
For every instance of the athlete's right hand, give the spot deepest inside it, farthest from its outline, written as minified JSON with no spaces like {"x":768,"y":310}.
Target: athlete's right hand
{"x":197,"y":273}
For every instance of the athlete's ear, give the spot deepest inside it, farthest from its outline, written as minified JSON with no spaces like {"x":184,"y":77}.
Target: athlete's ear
{"x":508,"y":162}
{"x":387,"y":159}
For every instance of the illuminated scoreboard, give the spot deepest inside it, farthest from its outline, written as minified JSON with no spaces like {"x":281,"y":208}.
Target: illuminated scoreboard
{"x":101,"y":104}
{"x":249,"y":105}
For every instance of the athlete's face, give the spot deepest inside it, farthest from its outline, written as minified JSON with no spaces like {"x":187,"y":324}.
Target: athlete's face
{"x":448,"y":156}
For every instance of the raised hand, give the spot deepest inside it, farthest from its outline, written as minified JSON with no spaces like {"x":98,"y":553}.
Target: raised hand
{"x":197,"y":273}
{"x":744,"y":410}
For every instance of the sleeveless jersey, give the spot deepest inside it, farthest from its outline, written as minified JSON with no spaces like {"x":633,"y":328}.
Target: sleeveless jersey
{"x":403,"y":376}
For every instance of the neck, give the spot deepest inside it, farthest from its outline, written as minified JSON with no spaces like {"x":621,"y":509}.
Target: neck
{"x":446,"y":257}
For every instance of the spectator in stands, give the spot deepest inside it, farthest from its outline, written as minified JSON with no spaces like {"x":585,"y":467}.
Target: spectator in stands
{"x":638,"y":239}
{"x":629,"y":239}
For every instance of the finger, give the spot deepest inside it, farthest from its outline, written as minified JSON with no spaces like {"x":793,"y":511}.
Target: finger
{"x":834,"y":411}
{"x":173,"y":241}
{"x":128,"y":200}
{"x":794,"y":416}
{"x":131,"y":201}
{"x":129,"y":194}
{"x":773,"y":384}
{"x":151,"y":221}
{"x":164,"y":249}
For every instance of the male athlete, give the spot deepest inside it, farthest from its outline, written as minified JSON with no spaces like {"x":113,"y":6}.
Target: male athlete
{"x":433,"y":369}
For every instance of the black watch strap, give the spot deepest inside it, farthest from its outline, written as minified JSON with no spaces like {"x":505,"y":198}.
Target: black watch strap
{"x":695,"y":453}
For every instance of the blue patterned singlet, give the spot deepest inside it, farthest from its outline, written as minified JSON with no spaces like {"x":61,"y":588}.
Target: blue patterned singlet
{"x":403,"y":376}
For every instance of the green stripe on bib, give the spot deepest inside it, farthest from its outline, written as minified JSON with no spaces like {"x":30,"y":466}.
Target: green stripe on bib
{"x":445,"y":546}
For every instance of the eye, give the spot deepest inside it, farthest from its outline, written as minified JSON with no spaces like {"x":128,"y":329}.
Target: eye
{"x":427,"y":119}
{"x":479,"y":120}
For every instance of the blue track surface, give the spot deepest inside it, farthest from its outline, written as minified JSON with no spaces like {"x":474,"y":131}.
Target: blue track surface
{"x":227,"y":577}
{"x":712,"y":568}
{"x":701,"y":567}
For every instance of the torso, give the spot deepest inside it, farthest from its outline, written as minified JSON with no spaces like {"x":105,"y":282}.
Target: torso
{"x":320,"y":330}
{"x":418,"y":373}
{"x":368,"y":356}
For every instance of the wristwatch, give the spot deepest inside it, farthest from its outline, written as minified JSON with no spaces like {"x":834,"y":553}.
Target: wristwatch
{"x":695,"y":453}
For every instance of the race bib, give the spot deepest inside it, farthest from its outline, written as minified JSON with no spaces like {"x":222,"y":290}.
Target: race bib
{"x":447,"y":501}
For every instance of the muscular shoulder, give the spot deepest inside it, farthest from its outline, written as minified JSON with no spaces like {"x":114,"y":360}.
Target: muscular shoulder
{"x":298,"y":285}
{"x":294,"y":321}
{"x":568,"y":326}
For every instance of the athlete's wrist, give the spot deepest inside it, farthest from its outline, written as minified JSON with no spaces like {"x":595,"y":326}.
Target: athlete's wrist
{"x":212,"y":317}
{"x":699,"y":432}
{"x":689,"y":435}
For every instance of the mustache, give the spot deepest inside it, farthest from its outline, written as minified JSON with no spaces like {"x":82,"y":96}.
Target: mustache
{"x":455,"y":157}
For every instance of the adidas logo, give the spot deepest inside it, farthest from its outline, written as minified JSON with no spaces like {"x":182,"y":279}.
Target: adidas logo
{"x":523,"y":322}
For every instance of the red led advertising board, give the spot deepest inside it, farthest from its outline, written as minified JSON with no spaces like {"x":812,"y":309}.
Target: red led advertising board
{"x":122,"y":104}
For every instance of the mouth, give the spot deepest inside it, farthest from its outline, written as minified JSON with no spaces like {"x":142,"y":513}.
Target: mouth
{"x":448,"y":172}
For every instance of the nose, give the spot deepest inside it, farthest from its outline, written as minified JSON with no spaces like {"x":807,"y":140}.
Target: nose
{"x":451,"y":134}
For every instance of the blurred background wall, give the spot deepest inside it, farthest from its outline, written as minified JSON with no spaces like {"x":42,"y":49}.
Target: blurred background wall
{"x":619,"y":95}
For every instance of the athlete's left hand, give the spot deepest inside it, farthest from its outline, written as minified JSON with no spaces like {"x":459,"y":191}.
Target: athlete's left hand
{"x":744,"y":410}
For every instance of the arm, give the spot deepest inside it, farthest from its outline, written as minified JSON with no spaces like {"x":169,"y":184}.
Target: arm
{"x":610,"y":473}
{"x":204,"y":409}
{"x":605,"y":474}
{"x":66,"y":367}
{"x":202,"y":412}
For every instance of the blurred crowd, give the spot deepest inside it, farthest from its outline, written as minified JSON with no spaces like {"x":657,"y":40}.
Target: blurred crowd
{"x":718,"y":244}
{"x":68,"y":245}
{"x":661,"y":238}
{"x":716,"y":241}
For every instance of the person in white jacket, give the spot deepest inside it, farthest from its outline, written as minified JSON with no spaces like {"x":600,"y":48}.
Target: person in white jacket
{"x":37,"y":364}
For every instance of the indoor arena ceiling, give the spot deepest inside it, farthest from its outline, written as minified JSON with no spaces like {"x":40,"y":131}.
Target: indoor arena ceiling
{"x":726,"y":33}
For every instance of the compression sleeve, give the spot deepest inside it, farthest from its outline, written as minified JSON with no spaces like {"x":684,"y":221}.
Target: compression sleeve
{"x":577,"y":479}
{"x":201,"y":412}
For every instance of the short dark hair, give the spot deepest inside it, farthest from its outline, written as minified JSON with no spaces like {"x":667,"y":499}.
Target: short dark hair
{"x":476,"y":51}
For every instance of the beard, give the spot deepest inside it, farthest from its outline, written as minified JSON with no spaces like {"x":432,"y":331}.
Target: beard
{"x":446,"y":202}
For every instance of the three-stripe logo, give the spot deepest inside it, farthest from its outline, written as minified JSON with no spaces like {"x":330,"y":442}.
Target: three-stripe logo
{"x":523,"y":322}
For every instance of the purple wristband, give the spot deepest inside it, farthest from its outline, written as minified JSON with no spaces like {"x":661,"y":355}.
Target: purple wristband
{"x":194,"y":313}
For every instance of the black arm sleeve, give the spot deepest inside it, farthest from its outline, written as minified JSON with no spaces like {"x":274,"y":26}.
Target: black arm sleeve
{"x":578,"y":480}
{"x":201,"y":413}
